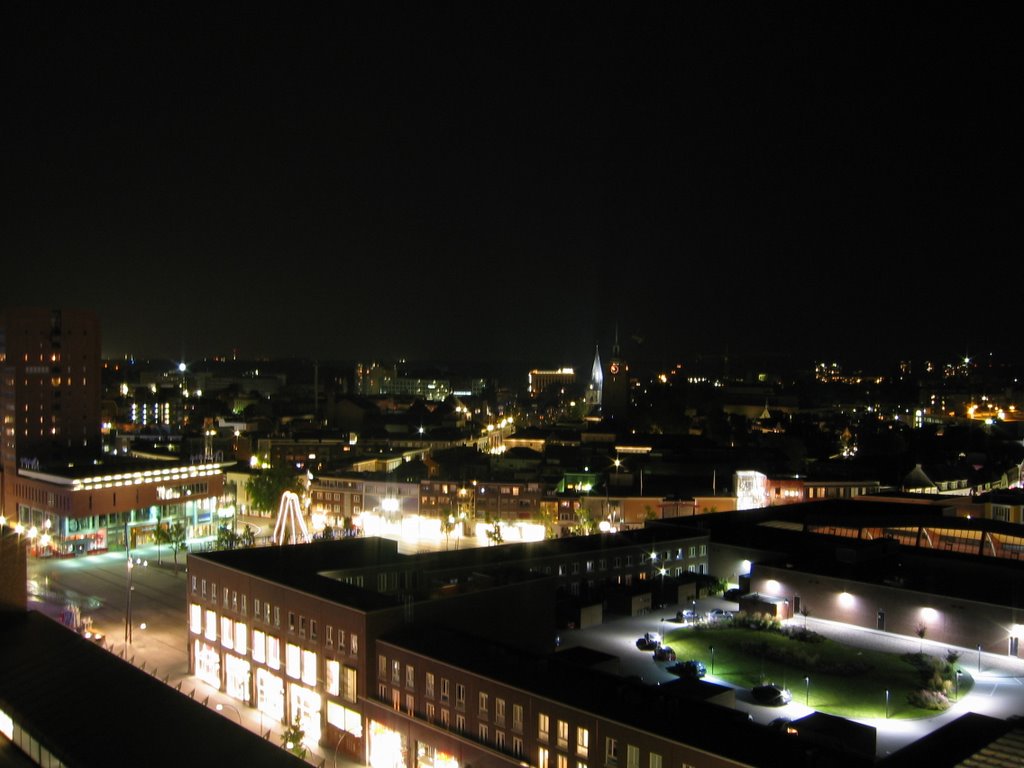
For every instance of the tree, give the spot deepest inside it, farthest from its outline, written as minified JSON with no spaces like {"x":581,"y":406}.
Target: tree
{"x":176,"y":532}
{"x":266,"y":487}
{"x":718,"y":586}
{"x":291,"y":739}
{"x":584,"y":523}
{"x":447,"y":526}
{"x":494,"y":533}
{"x":162,"y":536}
{"x":226,"y":538}
{"x":921,"y":631}
{"x":805,"y":612}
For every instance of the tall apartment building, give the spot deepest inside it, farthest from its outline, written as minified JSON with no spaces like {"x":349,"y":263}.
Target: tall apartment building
{"x":49,"y":386}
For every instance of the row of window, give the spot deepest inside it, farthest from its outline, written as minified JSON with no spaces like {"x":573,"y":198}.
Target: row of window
{"x":403,"y":681}
{"x":271,"y":614}
{"x":588,"y":566}
{"x":299,"y":663}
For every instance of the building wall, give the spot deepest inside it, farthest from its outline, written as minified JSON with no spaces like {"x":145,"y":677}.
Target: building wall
{"x":965,"y":623}
{"x":468,"y":726}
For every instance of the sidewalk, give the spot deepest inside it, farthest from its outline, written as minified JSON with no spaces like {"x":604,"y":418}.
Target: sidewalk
{"x":983,"y":662}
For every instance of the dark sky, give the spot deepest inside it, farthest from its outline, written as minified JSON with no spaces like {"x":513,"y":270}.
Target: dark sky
{"x":476,"y":181}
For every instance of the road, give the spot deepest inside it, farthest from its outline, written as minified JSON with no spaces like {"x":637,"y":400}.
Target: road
{"x":98,"y":585}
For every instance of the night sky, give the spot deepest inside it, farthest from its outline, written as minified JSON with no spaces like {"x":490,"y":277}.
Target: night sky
{"x":472,"y":181}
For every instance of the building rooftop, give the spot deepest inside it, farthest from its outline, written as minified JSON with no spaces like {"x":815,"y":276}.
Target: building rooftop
{"x":88,"y":707}
{"x":888,"y":543}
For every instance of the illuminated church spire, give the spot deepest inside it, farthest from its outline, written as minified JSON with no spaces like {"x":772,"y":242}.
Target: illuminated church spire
{"x":596,"y":386}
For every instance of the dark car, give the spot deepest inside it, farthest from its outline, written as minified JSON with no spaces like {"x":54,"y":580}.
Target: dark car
{"x":771,"y":695}
{"x":649,"y":642}
{"x":664,"y":653}
{"x":689,"y":668}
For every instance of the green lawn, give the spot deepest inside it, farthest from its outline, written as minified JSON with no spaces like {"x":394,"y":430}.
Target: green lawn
{"x":859,"y":695}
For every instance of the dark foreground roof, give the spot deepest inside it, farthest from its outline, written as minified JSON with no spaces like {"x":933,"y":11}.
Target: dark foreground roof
{"x":88,"y":707}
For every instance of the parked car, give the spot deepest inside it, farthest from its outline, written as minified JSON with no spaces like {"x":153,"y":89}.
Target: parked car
{"x":689,"y":668}
{"x":718,"y":614}
{"x":664,"y":653}
{"x":771,"y":695}
{"x":687,"y":615}
{"x":649,"y":642}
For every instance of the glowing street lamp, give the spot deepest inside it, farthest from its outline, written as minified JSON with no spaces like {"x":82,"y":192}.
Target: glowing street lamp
{"x":220,"y":708}
{"x":128,"y":599}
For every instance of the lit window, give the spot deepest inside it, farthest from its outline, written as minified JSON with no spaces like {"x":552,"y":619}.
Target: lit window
{"x":542,"y":758}
{"x":226,"y":633}
{"x":293,"y":661}
{"x":211,"y":625}
{"x":542,"y":727}
{"x":655,"y":760}
{"x":582,"y":742}
{"x":259,"y":646}
{"x":563,"y":734}
{"x":309,"y":668}
{"x":632,"y":756}
{"x":241,"y":635}
{"x":195,"y":616}
{"x":349,"y":677}
{"x":332,"y":677}
{"x":273,"y":652}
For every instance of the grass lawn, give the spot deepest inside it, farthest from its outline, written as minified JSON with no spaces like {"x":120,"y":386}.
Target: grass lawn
{"x":859,"y":695}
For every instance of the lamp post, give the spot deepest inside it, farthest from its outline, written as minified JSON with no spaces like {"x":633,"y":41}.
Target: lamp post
{"x":886,"y":703}
{"x":128,"y":599}
{"x":338,"y":747}
{"x":979,"y":657}
{"x":807,"y":690}
{"x":220,"y":708}
{"x":712,"y":649}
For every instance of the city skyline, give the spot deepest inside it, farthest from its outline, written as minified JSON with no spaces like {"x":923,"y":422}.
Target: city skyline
{"x":470,"y":184}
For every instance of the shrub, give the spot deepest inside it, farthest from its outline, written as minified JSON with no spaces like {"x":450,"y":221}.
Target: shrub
{"x":803,"y":635}
{"x":926,"y":699}
{"x":936,"y":674}
{"x":757,"y":620}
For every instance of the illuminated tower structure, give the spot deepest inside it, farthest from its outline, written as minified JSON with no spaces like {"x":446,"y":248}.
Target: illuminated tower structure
{"x":615,"y":390}
{"x":596,"y":386}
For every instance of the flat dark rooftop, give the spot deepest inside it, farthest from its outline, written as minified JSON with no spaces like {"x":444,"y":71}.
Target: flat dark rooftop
{"x":88,"y":707}
{"x":785,"y":530}
{"x":677,"y":710}
{"x":316,"y":568}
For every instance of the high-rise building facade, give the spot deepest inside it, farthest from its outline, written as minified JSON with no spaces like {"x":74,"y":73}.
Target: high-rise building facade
{"x":50,"y":383}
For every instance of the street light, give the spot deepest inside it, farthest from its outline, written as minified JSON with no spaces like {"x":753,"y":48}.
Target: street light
{"x":886,"y":703}
{"x":979,"y":657}
{"x":807,"y":690}
{"x":712,"y":649}
{"x":220,"y":708}
{"x":132,"y":564}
